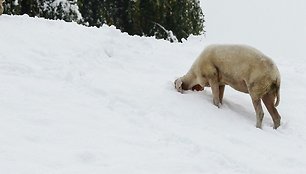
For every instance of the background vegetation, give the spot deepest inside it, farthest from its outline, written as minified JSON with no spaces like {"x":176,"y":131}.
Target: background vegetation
{"x":168,"y":19}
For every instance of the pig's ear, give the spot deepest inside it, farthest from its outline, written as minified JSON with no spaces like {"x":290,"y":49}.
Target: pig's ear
{"x":178,"y":85}
{"x":197,"y":87}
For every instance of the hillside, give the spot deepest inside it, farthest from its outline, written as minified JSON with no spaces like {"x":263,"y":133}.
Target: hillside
{"x":87,"y":100}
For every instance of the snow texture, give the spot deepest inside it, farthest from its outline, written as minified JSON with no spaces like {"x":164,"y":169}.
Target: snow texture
{"x":78,"y":100}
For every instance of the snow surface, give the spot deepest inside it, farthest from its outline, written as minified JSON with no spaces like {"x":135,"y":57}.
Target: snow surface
{"x":86,"y":100}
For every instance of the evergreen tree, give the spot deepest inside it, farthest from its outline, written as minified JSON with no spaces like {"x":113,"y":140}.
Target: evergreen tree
{"x":92,"y":12}
{"x":51,"y":9}
{"x":162,"y":18}
{"x":169,"y":19}
{"x":65,"y":10}
{"x":30,"y":7}
{"x":123,"y":14}
{"x":12,"y":7}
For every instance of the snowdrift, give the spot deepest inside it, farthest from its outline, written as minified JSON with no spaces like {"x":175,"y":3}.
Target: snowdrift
{"x":88,"y":100}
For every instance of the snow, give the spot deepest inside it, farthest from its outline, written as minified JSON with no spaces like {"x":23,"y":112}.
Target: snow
{"x":85,"y":100}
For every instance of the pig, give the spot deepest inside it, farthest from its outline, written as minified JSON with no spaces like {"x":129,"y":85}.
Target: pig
{"x":242,"y":67}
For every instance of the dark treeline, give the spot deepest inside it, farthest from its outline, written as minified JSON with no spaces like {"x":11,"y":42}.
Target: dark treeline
{"x":167,"y":19}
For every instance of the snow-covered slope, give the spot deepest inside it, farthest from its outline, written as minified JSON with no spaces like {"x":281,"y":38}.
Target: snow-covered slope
{"x":87,"y":100}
